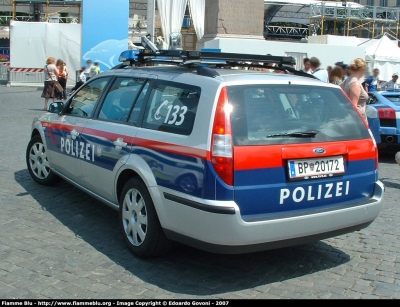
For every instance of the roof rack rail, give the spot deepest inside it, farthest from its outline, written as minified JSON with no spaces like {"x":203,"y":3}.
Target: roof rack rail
{"x":185,"y":58}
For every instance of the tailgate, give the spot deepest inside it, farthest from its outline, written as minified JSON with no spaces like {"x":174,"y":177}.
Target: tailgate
{"x":263,"y":183}
{"x":298,"y":148}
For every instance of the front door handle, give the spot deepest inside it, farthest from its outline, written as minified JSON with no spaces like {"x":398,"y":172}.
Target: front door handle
{"x":74,"y":134}
{"x":119,"y":144}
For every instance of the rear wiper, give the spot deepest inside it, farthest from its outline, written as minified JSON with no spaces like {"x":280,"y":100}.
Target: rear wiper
{"x":294,"y":135}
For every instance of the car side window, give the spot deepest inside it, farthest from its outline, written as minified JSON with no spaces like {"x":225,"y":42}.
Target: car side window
{"x":84,"y":101}
{"x":120,"y":98}
{"x":172,"y":108}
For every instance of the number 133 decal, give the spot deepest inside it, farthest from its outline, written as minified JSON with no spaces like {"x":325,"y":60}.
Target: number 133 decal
{"x":175,"y":115}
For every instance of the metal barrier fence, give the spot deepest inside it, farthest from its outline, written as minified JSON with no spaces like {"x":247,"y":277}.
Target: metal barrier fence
{"x":25,"y":76}
{"x":4,"y":71}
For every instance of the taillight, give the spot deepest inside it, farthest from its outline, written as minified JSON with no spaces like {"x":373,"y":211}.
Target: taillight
{"x":387,"y":113}
{"x":221,"y":142}
{"x":376,"y":149}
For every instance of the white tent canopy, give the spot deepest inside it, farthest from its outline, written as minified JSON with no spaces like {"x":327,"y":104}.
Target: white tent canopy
{"x":385,"y":55}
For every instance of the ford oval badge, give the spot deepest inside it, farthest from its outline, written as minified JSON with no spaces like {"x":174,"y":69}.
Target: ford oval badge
{"x":319,"y":151}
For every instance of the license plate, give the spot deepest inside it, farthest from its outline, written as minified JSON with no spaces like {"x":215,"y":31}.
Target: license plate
{"x":316,"y":168}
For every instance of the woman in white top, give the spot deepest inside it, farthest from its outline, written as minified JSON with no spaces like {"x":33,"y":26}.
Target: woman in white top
{"x":50,"y":73}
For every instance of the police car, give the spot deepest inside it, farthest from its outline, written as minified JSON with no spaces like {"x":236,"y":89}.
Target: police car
{"x":229,"y":161}
{"x":387,"y":105}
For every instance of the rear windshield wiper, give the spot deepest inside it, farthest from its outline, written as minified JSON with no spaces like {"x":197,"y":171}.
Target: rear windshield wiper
{"x":294,"y":135}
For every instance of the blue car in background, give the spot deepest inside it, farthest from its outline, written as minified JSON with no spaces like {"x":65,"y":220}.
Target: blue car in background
{"x":383,"y":112}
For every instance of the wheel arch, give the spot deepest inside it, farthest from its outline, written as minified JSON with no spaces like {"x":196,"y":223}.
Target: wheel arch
{"x":34,"y":133}
{"x":37,"y":129}
{"x":137,"y":167}
{"x":122,"y":179}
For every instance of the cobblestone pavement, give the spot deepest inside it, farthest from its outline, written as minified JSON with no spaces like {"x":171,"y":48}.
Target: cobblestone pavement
{"x":59,"y":243}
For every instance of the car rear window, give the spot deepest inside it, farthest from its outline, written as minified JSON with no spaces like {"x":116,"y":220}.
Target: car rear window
{"x":393,"y":98}
{"x":289,"y":114}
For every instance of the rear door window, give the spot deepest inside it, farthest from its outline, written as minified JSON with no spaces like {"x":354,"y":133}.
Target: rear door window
{"x":288,"y":114}
{"x":120,"y":98}
{"x":172,"y":108}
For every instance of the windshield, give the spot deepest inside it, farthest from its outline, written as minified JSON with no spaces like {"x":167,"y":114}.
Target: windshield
{"x":393,"y":98}
{"x":289,"y":114}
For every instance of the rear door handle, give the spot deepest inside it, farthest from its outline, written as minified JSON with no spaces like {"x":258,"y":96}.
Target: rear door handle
{"x":119,"y":144}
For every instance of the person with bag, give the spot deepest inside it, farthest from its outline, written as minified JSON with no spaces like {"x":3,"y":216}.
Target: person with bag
{"x":62,"y":78}
{"x":50,"y":78}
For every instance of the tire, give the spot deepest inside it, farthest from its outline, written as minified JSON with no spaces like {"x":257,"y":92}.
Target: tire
{"x":38,"y":164}
{"x":139,"y":222}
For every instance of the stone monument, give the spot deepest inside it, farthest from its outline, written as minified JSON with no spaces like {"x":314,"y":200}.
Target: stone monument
{"x":233,"y":19}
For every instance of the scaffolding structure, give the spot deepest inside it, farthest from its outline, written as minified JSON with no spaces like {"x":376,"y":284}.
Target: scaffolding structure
{"x":138,"y":6}
{"x":46,"y":10}
{"x":286,"y":32}
{"x":288,"y":18}
{"x":358,"y":21}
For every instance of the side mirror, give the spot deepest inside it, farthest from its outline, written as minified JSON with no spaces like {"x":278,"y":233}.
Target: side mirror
{"x":56,"y":107}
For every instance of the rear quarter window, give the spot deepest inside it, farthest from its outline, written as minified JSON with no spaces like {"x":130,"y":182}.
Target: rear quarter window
{"x":265,"y":114}
{"x":172,"y":108}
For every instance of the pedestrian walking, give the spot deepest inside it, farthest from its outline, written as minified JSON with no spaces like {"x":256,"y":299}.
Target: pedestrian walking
{"x":318,"y":72}
{"x":335,"y":77}
{"x":392,"y":84}
{"x":62,"y":78}
{"x":81,"y":80}
{"x":372,"y":82}
{"x":50,"y":77}
{"x":353,"y":87}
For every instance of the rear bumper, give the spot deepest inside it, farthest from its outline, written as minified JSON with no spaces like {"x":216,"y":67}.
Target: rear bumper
{"x":388,"y":147}
{"x":389,"y":130}
{"x":218,"y":226}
